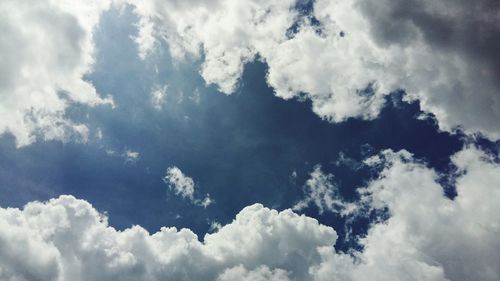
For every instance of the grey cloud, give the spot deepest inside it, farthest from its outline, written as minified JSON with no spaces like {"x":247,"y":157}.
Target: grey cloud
{"x":471,"y":28}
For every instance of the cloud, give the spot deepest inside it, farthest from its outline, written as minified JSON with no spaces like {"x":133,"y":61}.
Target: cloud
{"x":131,"y":156}
{"x":181,"y":184}
{"x":67,"y":239}
{"x":158,"y":95}
{"x":47,"y":49}
{"x":442,"y":54}
{"x":426,"y":237}
{"x":184,"y":186}
{"x":260,"y":274}
{"x":323,"y":193}
{"x":228,"y":32}
{"x":347,"y":55}
{"x":450,"y":62}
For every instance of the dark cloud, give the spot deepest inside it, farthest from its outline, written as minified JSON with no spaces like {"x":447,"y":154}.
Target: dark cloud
{"x":469,"y":28}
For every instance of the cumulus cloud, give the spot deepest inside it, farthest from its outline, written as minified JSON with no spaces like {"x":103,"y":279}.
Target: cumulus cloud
{"x":184,"y":186}
{"x":459,"y":236}
{"x":46,"y":49}
{"x":449,"y":56}
{"x":67,"y":239}
{"x":347,"y":55}
{"x":426,"y":237}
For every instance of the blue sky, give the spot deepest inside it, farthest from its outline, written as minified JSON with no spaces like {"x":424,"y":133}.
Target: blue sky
{"x":252,"y":145}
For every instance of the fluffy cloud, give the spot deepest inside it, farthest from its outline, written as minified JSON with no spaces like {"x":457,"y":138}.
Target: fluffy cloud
{"x":427,"y":236}
{"x":442,"y":54}
{"x":67,"y":239}
{"x":183,"y":185}
{"x":46,"y":50}
{"x":445,"y":55}
{"x":228,"y":32}
{"x":260,"y":274}
{"x":345,"y":56}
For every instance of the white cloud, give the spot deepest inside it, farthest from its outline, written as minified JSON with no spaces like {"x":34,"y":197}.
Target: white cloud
{"x":158,"y":95}
{"x":131,"y":156}
{"x":184,"y":186}
{"x":214,"y":226}
{"x":427,"y":236}
{"x":46,"y":50}
{"x":323,"y":193}
{"x":181,"y":184}
{"x":205,"y":202}
{"x":67,"y":239}
{"x":441,"y":54}
{"x":260,"y":274}
{"x":228,"y":32}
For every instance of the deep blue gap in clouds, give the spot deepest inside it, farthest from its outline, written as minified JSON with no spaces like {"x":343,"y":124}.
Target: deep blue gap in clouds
{"x":241,"y":149}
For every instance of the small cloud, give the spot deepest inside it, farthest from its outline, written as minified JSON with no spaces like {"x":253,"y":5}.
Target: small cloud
{"x":158,"y":95}
{"x":293,"y":177}
{"x":349,"y":162}
{"x":178,"y":182}
{"x":196,"y":96}
{"x":183,"y":185}
{"x":214,"y":226}
{"x":130,"y":156}
{"x":323,"y":193}
{"x":98,"y":134}
{"x":205,"y":202}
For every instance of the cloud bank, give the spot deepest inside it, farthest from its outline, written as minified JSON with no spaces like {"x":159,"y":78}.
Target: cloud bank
{"x":426,"y":237}
{"x":346,"y":55}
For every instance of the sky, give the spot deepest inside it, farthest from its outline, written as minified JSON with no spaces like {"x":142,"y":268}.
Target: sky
{"x":249,"y":140}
